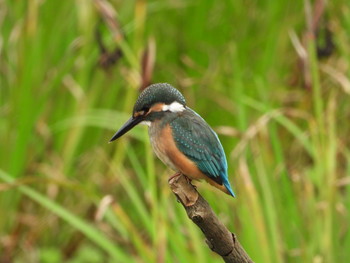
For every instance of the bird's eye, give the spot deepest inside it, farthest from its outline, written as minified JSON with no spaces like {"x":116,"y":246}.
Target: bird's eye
{"x":144,"y":110}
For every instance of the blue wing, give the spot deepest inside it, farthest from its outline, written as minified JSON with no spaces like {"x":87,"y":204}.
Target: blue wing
{"x":195,"y":138}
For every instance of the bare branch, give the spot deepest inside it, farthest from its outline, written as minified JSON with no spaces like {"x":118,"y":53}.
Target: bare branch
{"x":218,"y":237}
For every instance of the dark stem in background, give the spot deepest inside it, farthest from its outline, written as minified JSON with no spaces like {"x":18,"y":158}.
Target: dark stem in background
{"x":218,"y":237}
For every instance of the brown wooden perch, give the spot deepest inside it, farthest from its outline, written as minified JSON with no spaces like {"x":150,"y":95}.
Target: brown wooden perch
{"x":218,"y":237}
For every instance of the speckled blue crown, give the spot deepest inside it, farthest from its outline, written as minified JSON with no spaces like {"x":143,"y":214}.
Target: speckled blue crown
{"x":158,"y":93}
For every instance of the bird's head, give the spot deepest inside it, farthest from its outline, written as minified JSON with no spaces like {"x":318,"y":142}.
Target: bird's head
{"x":152,"y":104}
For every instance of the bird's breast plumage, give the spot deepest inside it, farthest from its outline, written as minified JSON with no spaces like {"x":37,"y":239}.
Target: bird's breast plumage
{"x":159,"y":141}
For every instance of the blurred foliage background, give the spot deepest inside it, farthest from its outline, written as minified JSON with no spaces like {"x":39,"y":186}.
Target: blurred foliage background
{"x":271,"y":77}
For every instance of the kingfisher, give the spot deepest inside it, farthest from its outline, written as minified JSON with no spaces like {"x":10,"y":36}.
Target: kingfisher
{"x":179,"y":136}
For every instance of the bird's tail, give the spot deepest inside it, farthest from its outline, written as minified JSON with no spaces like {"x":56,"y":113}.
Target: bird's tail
{"x":228,"y":188}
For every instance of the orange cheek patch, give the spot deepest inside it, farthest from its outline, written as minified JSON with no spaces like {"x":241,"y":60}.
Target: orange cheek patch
{"x":139,"y":113}
{"x":157,"y":107}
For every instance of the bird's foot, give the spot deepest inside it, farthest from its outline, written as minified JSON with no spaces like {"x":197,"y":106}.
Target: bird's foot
{"x":189,"y":181}
{"x":187,"y":178}
{"x":175,"y":175}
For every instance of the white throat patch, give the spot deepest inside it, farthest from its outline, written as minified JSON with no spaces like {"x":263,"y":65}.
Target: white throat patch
{"x":148,"y":123}
{"x":174,"y":107}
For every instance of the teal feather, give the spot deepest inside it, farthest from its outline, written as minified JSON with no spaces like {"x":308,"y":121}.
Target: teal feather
{"x":194,"y":138}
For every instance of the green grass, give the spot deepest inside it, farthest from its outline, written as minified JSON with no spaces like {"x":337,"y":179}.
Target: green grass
{"x":236,"y":64}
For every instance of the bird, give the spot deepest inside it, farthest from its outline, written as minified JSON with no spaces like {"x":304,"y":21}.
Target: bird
{"x":179,"y":136}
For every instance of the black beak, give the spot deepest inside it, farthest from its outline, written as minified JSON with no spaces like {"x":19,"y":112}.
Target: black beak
{"x":131,"y":123}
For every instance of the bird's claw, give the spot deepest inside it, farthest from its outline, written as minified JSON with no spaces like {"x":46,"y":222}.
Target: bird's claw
{"x":173,"y":176}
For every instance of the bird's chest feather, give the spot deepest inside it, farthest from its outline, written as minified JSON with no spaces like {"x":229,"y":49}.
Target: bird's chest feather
{"x":160,"y":137}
